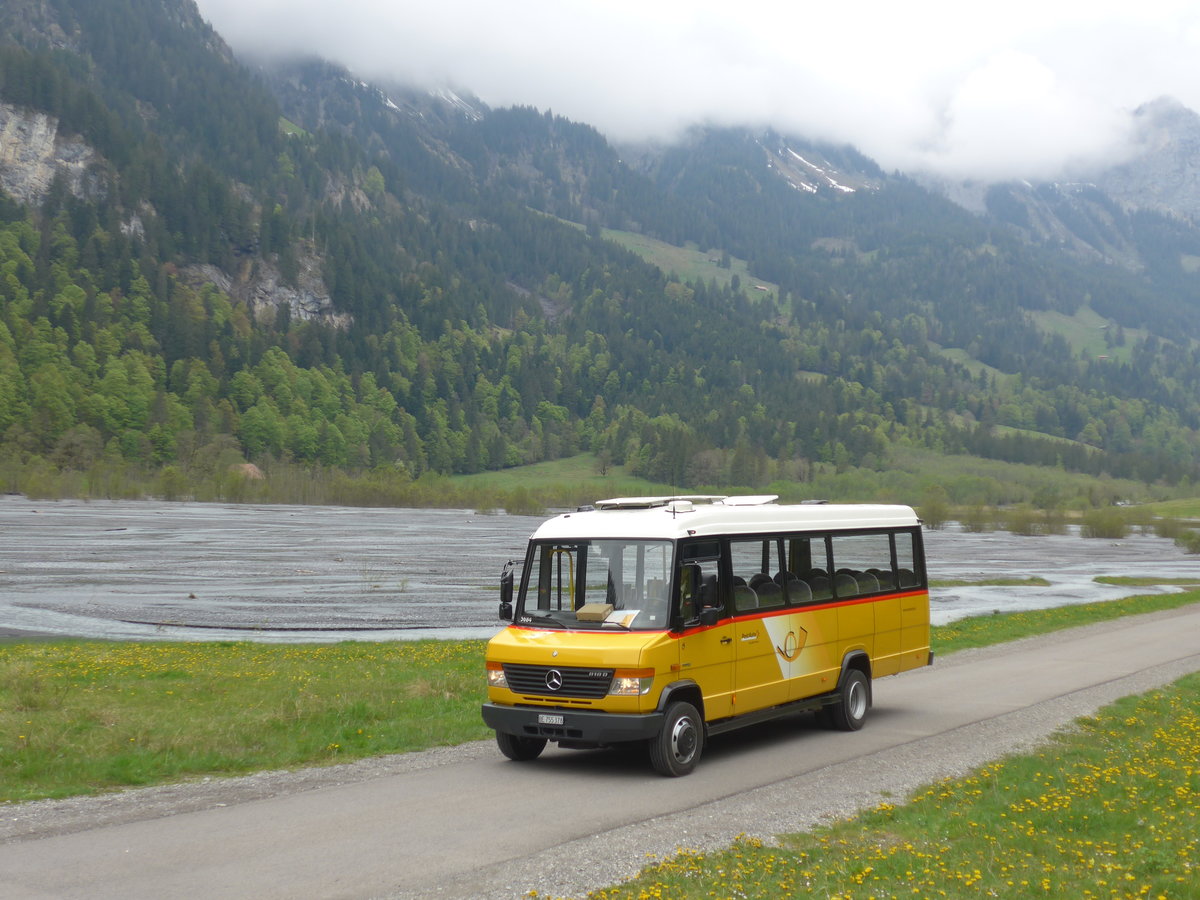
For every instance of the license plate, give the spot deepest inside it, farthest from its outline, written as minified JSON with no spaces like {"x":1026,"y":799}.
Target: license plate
{"x":547,"y":719}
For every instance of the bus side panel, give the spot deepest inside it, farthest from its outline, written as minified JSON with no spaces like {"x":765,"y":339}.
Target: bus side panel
{"x":806,"y":650}
{"x":706,"y":657}
{"x":856,"y":628}
{"x":914,"y":630}
{"x":888,"y":625}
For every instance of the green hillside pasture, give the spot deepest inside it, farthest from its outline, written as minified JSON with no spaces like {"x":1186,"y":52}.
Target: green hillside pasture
{"x":973,"y":480}
{"x":1086,"y":331}
{"x":1186,"y":508}
{"x":571,"y":481}
{"x":691,"y":263}
{"x":913,"y":474}
{"x":290,"y":128}
{"x":972,"y":365}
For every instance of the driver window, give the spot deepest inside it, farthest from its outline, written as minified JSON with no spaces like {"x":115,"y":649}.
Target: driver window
{"x":699,"y":588}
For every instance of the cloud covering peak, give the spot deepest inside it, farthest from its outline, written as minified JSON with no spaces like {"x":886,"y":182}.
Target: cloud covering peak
{"x":985,"y":91}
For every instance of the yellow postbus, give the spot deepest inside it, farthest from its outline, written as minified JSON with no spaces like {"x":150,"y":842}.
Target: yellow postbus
{"x":665,"y":620}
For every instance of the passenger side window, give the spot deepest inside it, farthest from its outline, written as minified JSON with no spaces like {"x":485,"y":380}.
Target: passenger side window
{"x":748,"y":562}
{"x":862,"y":564}
{"x":807,"y":573}
{"x":907,"y":569}
{"x":761,"y":578}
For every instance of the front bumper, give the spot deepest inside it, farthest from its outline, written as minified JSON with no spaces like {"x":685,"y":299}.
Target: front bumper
{"x":583,"y":726}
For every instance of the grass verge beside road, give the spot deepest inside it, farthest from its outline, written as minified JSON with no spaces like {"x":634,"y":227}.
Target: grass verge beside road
{"x":85,"y":717}
{"x":982,"y":631}
{"x":82,"y":717}
{"x":1110,"y":809}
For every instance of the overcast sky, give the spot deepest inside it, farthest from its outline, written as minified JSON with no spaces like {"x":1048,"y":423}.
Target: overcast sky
{"x":968,"y":88}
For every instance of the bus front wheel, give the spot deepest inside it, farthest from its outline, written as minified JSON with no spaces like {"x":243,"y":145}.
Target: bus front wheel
{"x":520,"y":749}
{"x":677,"y":747}
{"x":850,"y":711}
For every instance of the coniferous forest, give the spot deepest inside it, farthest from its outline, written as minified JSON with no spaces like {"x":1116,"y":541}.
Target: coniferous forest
{"x":473,"y":314}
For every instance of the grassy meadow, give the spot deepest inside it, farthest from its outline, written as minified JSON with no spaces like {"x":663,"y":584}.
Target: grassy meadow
{"x":1109,"y":809}
{"x":960,"y":487}
{"x":983,"y":631}
{"x":82,"y":717}
{"x":690,"y":263}
{"x":1090,"y":334}
{"x":1106,"y":810}
{"x":1184,"y":508}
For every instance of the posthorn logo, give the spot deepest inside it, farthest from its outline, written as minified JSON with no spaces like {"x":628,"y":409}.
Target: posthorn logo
{"x":792,"y":645}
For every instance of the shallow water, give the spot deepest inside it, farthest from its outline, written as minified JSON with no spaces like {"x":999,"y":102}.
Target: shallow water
{"x":1068,"y":562}
{"x":191,"y":571}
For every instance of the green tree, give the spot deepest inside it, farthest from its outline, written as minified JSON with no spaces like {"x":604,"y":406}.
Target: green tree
{"x":262,"y":430}
{"x":51,"y":404}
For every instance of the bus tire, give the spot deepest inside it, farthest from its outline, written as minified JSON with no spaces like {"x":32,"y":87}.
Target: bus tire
{"x":520,"y":749}
{"x":854,"y":698}
{"x":677,"y":747}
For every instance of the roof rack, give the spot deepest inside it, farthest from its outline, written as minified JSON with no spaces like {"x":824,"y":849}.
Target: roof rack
{"x":653,"y":502}
{"x":750,"y":500}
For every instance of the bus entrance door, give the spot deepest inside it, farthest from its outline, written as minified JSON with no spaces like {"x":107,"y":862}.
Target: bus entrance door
{"x":758,"y":674}
{"x":706,"y":657}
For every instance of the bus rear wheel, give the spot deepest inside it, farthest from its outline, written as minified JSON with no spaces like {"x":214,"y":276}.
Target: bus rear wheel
{"x":520,"y":749}
{"x":854,"y":698}
{"x":677,"y":747}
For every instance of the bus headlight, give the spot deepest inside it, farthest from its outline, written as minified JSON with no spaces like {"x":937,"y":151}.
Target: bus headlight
{"x":631,"y":682}
{"x":495,"y":675}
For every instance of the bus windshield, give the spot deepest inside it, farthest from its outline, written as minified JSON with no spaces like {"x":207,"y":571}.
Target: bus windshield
{"x":597,"y":584}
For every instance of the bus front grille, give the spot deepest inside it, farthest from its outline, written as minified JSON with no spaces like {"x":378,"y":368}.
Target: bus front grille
{"x":558,"y":681}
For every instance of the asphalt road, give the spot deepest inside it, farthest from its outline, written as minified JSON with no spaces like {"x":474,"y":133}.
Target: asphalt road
{"x":464,"y":822}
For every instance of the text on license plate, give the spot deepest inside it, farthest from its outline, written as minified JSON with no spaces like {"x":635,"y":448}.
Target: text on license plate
{"x":548,"y":719}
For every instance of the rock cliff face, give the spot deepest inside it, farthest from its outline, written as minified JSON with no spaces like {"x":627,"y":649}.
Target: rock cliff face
{"x":260,"y":286}
{"x":1164,"y":173}
{"x":33,"y":151}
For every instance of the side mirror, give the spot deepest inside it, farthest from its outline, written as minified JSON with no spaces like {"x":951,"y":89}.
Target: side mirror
{"x":709,"y":616}
{"x":506,"y":591}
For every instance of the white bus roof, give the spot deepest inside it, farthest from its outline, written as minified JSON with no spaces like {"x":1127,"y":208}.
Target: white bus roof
{"x":672,"y":518}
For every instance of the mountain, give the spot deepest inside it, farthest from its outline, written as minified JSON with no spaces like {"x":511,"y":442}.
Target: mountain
{"x":207,"y":261}
{"x":1139,"y":214}
{"x":1163,"y":175}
